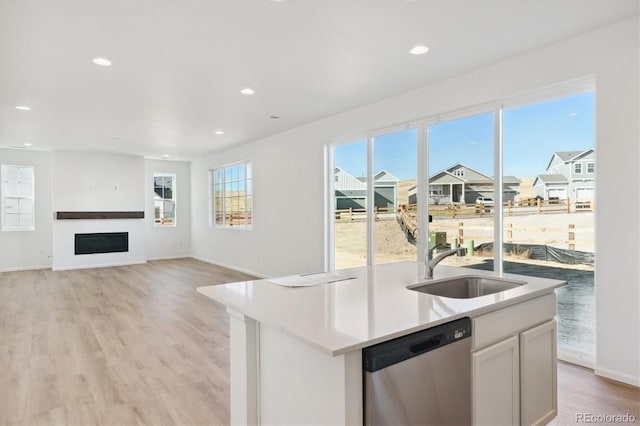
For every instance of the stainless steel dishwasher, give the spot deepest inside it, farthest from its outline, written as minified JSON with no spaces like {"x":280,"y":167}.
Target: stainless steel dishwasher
{"x":423,"y":378}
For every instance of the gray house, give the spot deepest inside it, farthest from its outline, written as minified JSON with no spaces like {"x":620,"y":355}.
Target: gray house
{"x":386,"y":190}
{"x":351,"y":191}
{"x":463,"y":184}
{"x":570,"y":174}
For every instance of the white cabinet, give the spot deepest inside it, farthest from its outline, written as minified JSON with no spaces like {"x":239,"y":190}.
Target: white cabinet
{"x":496,"y":375}
{"x":514,"y":365}
{"x":538,"y":374}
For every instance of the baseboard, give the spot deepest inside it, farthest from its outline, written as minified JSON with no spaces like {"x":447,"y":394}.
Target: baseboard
{"x":102,"y":265}
{"x":618,"y":377}
{"x":184,"y":256}
{"x":233,"y":268}
{"x":578,"y":358}
{"x":26,"y":268}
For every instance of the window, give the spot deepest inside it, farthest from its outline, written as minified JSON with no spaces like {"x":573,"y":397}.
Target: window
{"x":528,"y":137}
{"x":350,"y":246}
{"x":461,"y":146}
{"x":164,"y":202}
{"x":368,"y":201}
{"x":533,"y":133}
{"x":232,"y":196}
{"x":17,"y":198}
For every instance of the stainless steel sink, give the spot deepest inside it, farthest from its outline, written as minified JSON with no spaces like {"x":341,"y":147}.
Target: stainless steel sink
{"x":466,"y":286}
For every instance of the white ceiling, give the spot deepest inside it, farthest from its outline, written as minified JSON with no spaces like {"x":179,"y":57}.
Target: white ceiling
{"x":178,"y":65}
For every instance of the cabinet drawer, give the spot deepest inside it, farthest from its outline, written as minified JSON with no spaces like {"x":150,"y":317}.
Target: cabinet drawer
{"x":497,"y":325}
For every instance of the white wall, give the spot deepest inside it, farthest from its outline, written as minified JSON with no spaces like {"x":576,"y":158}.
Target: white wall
{"x":84,"y":181}
{"x":289,"y":174}
{"x":166,"y":242}
{"x":30,"y":249}
{"x":618,"y":210}
{"x":287,"y":234}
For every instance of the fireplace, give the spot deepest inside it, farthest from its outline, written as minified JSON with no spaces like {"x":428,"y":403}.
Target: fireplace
{"x":103,"y":242}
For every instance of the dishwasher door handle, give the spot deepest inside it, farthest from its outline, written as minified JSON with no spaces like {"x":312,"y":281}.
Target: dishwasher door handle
{"x":426,"y":345}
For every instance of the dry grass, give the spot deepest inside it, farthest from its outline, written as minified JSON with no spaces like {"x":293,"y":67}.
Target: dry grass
{"x":526,"y":188}
{"x":390,"y":243}
{"x":391,"y":246}
{"x":403,"y":190}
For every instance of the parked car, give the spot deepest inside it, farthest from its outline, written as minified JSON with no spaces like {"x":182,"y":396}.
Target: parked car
{"x":487,"y":201}
{"x":484,"y":203}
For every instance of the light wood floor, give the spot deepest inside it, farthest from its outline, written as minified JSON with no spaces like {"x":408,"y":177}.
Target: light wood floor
{"x":138,"y":345}
{"x":582,"y":392}
{"x":116,"y":346}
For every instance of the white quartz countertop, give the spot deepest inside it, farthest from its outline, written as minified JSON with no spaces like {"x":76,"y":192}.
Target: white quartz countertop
{"x":375,"y":306}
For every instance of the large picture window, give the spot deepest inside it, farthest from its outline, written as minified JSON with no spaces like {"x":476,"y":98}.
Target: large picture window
{"x":17,"y":198}
{"x":232,"y":196}
{"x":512,"y":182}
{"x":164,"y":203}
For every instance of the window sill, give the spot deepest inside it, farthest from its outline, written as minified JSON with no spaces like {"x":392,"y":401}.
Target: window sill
{"x":236,"y":228}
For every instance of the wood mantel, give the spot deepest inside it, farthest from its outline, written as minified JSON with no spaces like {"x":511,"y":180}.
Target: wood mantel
{"x":101,"y":215}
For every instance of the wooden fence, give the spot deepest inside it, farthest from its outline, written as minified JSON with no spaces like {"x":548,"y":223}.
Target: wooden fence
{"x":358,"y":214}
{"x":454,"y":210}
{"x":519,"y":235}
{"x":510,"y":208}
{"x":232,"y":219}
{"x":407,"y":218}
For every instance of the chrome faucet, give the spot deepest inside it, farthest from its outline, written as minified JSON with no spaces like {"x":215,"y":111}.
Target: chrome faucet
{"x":429,"y":265}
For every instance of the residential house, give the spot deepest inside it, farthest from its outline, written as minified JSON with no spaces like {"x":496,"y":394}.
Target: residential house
{"x":386,"y":190}
{"x":570,"y":174}
{"x":462,"y":184}
{"x":351,"y":191}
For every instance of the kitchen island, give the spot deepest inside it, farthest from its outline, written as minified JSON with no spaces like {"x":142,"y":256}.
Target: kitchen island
{"x":296,"y":352}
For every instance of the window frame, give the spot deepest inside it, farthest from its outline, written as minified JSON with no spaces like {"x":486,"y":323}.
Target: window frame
{"x":246,"y":184}
{"x":557,"y":91}
{"x":4,"y":197}
{"x":592,"y":166}
{"x":577,"y":168}
{"x":570,"y":88}
{"x":174,"y":199}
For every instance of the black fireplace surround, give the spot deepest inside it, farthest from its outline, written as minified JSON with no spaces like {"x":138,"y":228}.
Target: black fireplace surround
{"x":103,"y":242}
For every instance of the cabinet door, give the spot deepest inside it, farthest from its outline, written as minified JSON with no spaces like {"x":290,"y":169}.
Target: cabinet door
{"x":496,"y":384}
{"x":538,"y":395}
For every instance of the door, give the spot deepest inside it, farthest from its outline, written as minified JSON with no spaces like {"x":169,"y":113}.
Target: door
{"x":585,"y":194}
{"x":557,"y":193}
{"x":385,"y":198}
{"x":496,"y":384}
{"x":538,"y":395}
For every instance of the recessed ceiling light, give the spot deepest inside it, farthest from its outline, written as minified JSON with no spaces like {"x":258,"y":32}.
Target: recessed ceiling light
{"x":102,"y":62}
{"x":23,"y":108}
{"x":219,"y":132}
{"x":166,"y":156}
{"x":419,"y":49}
{"x":247,"y":91}
{"x":27,"y":144}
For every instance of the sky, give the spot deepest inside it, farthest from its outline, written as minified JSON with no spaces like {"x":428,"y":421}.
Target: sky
{"x":531,"y":134}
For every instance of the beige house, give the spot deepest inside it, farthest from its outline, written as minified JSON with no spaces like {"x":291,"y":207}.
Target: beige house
{"x":463,"y":184}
